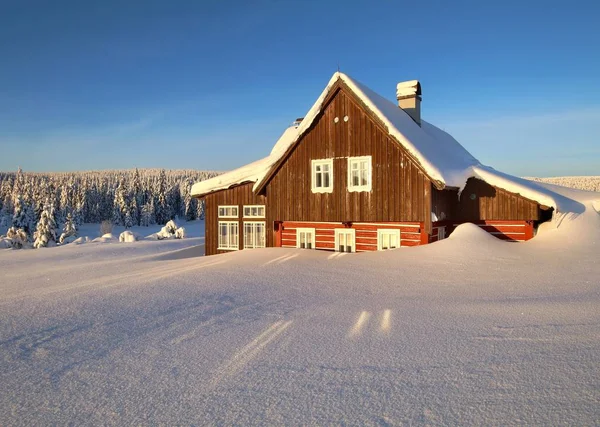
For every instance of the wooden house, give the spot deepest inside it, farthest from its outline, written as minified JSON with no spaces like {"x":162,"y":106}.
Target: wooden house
{"x":362,"y":173}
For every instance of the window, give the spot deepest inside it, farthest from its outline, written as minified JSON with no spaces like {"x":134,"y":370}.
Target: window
{"x":344,"y":240}
{"x":322,"y":176}
{"x":254,"y":235}
{"x":257,"y":211}
{"x":228,"y":211}
{"x":228,"y":235}
{"x":305,"y":238}
{"x":359,"y":173}
{"x":388,"y":239}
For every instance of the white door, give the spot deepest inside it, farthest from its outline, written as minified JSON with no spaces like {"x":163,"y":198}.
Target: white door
{"x":344,"y":240}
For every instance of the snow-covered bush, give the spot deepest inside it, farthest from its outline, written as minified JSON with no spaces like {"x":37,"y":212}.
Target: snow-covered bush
{"x":45,"y":233}
{"x":170,"y":227}
{"x":106,"y":227}
{"x":128,"y":237}
{"x":170,"y":231}
{"x":18,"y":237}
{"x":69,"y":233}
{"x":106,"y":238}
{"x":180,"y":233}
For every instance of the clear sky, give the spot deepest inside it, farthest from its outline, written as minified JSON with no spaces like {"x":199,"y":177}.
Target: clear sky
{"x":211,"y":84}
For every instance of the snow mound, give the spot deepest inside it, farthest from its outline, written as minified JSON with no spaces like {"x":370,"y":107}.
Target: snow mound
{"x":596,"y":206}
{"x":129,"y":237}
{"x":471,"y":233}
{"x":5,"y":243}
{"x":106,"y":238}
{"x":81,"y":240}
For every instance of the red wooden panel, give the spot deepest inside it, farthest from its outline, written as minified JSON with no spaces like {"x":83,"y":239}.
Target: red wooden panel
{"x":325,"y":245}
{"x":365,"y":247}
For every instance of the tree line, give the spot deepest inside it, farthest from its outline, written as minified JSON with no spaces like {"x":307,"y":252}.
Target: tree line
{"x":124,"y":197}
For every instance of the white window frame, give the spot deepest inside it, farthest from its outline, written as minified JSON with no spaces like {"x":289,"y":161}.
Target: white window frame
{"x":339,"y":231}
{"x":387,"y":231}
{"x":259,"y":207}
{"x":306,"y":230}
{"x":355,"y":188}
{"x":231,"y":246}
{"x":232,"y":207}
{"x":255,"y":244}
{"x":313,"y":175}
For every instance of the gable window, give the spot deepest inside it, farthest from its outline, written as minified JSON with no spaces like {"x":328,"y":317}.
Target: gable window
{"x":254,"y":211}
{"x":388,"y":239}
{"x":359,"y":173}
{"x":228,"y":211}
{"x":305,"y":238}
{"x":254,"y":234}
{"x":228,"y":235}
{"x":322,"y":176}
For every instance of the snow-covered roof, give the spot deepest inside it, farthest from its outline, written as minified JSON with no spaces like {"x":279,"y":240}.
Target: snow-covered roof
{"x":440,"y":155}
{"x":247,"y":173}
{"x":444,"y":160}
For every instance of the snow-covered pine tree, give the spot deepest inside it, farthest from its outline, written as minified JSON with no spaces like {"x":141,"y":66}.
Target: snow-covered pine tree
{"x":119,"y":205}
{"x":45,"y":233}
{"x":147,"y":215}
{"x":161,"y":211}
{"x":23,"y":216}
{"x":136,"y":197}
{"x":127,"y":220}
{"x":200,"y":209}
{"x":69,"y":229}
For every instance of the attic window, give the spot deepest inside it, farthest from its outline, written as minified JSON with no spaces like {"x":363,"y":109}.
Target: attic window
{"x":359,"y":173}
{"x":322,"y":176}
{"x":251,"y":211}
{"x":228,"y":211}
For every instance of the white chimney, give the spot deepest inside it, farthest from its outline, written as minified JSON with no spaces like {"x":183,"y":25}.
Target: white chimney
{"x":409,"y":99}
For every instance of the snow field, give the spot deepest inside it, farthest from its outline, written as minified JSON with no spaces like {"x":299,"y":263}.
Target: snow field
{"x":469,"y":330}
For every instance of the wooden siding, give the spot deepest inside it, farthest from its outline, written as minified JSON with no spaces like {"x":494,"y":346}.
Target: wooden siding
{"x":400,"y":189}
{"x":481,"y":201}
{"x":240,"y":196}
{"x":411,"y":234}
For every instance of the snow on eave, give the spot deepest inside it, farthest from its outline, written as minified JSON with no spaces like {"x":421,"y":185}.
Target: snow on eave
{"x":529,"y":189}
{"x":245,"y":174}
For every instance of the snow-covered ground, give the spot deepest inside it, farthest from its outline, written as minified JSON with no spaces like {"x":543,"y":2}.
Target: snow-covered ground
{"x":469,"y":330}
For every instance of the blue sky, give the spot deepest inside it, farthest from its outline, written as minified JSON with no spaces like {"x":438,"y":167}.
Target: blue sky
{"x":211,"y":85}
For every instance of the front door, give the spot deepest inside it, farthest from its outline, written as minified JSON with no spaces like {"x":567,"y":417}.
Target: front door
{"x":344,"y":240}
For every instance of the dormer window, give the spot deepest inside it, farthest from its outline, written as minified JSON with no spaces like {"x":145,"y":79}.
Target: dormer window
{"x":322,"y":176}
{"x":359,"y":173}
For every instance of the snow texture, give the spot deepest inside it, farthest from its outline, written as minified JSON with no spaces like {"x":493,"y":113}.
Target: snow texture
{"x":470,"y":330}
